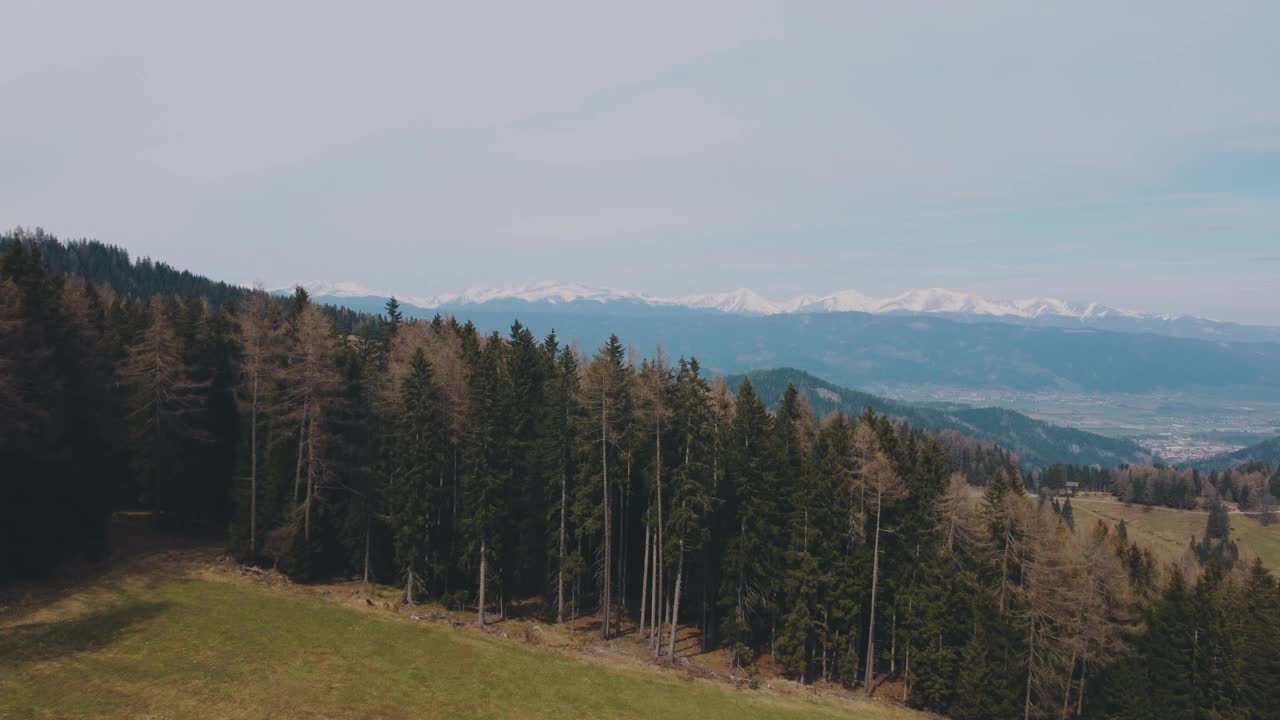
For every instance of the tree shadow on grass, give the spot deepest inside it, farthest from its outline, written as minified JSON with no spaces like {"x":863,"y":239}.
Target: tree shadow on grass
{"x":37,"y":642}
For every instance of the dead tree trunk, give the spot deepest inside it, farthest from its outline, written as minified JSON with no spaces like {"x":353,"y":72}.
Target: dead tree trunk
{"x":368,"y":523}
{"x":654,"y":600}
{"x":302,"y":442}
{"x":604,"y":476}
{"x":875,"y":576}
{"x":658,"y":549}
{"x":1031,"y":654}
{"x":311,"y":480}
{"x":644,"y":581}
{"x":564,"y":504}
{"x":253,"y":469}
{"x":482,"y":574}
{"x":675,"y":605}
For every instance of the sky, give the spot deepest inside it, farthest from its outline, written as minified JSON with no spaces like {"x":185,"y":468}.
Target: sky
{"x":1125,"y":153}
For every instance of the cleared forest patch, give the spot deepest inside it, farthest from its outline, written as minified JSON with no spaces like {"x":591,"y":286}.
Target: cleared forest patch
{"x":1167,"y":532}
{"x":184,"y":634}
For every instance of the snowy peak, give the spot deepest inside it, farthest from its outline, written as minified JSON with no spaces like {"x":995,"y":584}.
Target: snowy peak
{"x":547,"y":292}
{"x":318,"y":288}
{"x":740,"y":301}
{"x":843,"y":301}
{"x":745,"y":301}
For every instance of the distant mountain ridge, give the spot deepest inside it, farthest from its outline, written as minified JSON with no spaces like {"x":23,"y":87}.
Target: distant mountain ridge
{"x":1036,"y":442}
{"x":743,"y":300}
{"x":580,"y":298}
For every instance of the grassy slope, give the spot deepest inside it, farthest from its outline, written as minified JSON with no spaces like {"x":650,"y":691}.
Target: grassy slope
{"x":1167,"y":532}
{"x":166,"y":645}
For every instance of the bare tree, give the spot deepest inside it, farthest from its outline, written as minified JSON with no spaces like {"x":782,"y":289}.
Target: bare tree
{"x":12,"y":329}
{"x":655,"y":379}
{"x":603,"y":395}
{"x":165,"y":399}
{"x":1099,"y":591}
{"x":259,"y":340}
{"x":310,"y":379}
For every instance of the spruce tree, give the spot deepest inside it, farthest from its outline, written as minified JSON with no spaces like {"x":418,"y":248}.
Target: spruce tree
{"x":394,"y":316}
{"x":560,"y":420}
{"x":418,"y":452}
{"x":488,"y":477}
{"x":751,"y":558}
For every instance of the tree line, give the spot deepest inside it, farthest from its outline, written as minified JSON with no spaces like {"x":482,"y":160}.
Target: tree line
{"x":1252,"y":486}
{"x":509,"y":473}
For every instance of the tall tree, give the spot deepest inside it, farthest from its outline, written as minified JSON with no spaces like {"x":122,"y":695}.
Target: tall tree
{"x":165,"y":401}
{"x":558,"y":436}
{"x":310,"y":381}
{"x":882,"y":485}
{"x":691,"y":493}
{"x":259,"y":341}
{"x":419,"y":449}
{"x":751,"y":555}
{"x":605,"y":397}
{"x":488,"y":460}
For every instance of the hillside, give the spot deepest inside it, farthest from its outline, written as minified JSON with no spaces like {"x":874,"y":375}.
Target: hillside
{"x":1267,"y":452}
{"x":1037,"y":443}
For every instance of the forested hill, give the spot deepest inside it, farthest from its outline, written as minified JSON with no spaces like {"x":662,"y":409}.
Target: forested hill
{"x":111,"y":267}
{"x":108,"y":265}
{"x":1037,"y":443}
{"x":1266,"y":452}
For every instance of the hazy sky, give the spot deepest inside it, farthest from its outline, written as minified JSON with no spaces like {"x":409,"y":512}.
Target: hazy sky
{"x":1121,"y":152}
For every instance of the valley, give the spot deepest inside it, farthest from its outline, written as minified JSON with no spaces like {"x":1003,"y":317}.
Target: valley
{"x":1184,"y":426}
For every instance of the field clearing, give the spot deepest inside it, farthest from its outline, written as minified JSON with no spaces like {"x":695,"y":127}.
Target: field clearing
{"x":1168,"y":532}
{"x":154,"y":642}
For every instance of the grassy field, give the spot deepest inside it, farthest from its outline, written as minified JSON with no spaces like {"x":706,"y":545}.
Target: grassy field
{"x":163,"y":644}
{"x":1167,"y":532}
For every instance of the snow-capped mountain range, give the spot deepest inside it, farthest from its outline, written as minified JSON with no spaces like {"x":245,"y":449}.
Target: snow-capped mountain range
{"x":748,"y":302}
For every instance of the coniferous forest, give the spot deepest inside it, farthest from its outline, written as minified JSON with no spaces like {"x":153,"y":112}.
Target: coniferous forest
{"x":490,"y":471}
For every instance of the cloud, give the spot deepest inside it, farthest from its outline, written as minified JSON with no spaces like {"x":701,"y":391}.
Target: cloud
{"x":438,"y":145}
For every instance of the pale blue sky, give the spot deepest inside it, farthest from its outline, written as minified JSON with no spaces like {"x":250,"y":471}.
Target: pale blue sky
{"x":1125,"y":155}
